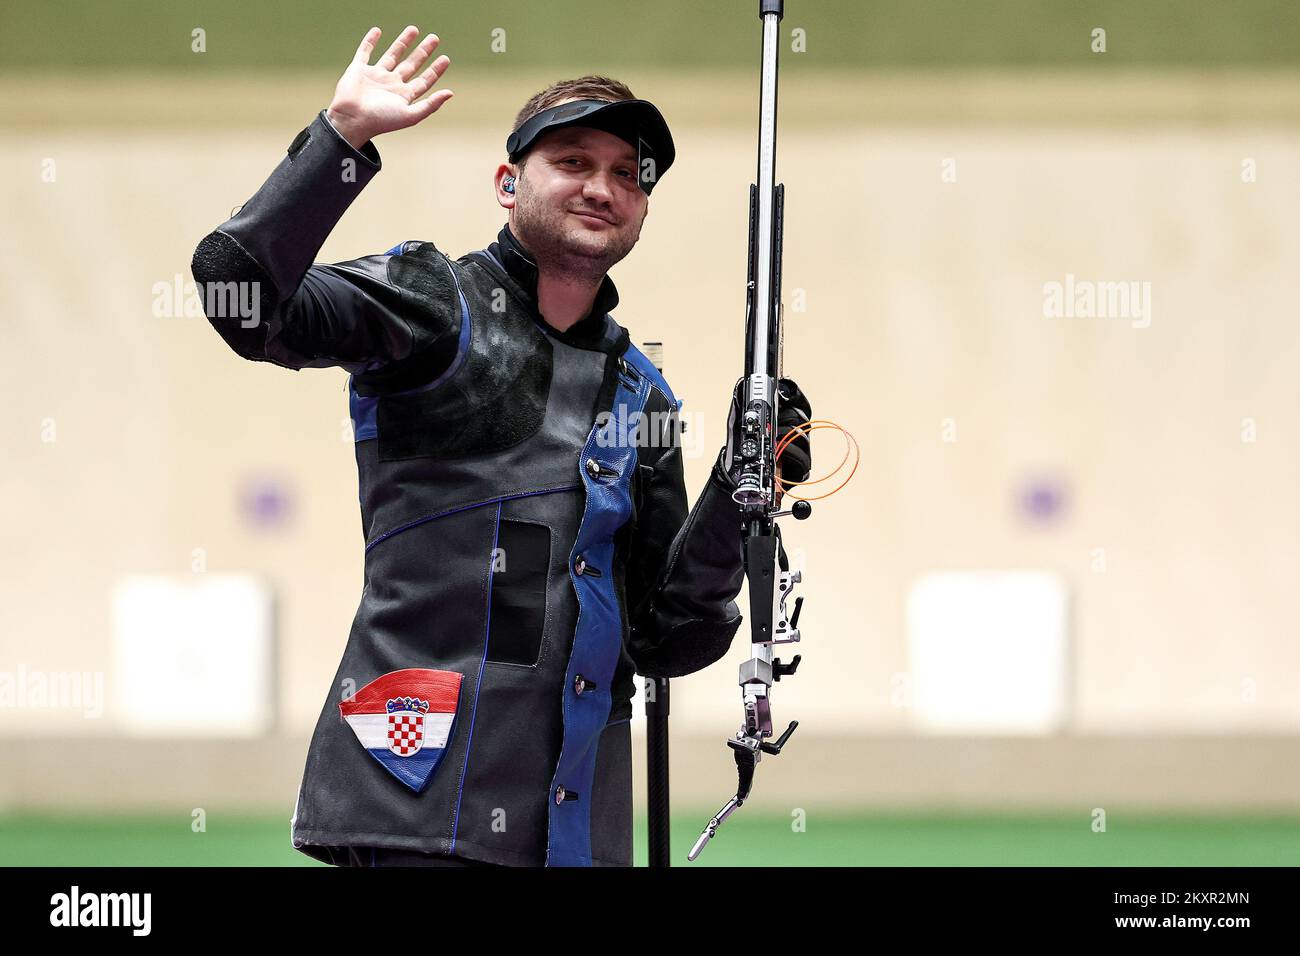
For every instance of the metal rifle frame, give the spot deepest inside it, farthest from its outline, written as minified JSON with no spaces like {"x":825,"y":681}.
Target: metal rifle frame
{"x":757,"y":495}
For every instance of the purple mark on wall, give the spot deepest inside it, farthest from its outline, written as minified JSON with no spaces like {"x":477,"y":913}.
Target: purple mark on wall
{"x":1042,"y":500}
{"x":266,"y":503}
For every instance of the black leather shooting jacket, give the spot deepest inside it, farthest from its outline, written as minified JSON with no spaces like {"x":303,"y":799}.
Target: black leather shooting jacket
{"x":527,"y":540}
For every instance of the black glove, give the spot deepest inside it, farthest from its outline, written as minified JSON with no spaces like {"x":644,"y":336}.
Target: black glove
{"x":793,"y":409}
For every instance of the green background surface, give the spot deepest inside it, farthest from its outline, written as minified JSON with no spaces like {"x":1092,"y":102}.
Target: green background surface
{"x":73,"y":35}
{"x":755,"y":840}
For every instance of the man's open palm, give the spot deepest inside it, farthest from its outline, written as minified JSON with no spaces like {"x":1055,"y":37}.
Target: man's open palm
{"x":370,"y":100}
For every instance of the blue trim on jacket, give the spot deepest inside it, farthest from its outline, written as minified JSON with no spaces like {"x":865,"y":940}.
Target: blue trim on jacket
{"x":636,"y":358}
{"x":598,"y":636}
{"x":478,"y":683}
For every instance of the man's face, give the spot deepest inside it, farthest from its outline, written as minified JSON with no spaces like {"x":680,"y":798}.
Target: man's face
{"x":578,"y":206}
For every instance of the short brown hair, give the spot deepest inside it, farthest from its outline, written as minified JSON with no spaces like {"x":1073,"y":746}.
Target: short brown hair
{"x":583,"y":88}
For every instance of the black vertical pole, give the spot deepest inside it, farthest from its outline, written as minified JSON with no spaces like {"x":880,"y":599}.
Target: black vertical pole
{"x":659,"y":817}
{"x":656,"y":719}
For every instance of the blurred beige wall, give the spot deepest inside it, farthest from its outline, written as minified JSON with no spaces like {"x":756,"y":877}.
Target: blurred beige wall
{"x":924,"y":304}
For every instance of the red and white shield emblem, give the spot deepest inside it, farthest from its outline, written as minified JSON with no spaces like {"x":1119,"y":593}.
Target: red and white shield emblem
{"x":405,"y":732}
{"x":405,"y":720}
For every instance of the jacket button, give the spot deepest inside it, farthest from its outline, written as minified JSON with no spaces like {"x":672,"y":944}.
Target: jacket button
{"x":580,"y":565}
{"x":593,"y":467}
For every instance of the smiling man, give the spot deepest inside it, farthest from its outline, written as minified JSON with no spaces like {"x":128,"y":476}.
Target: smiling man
{"x":574,"y":218}
{"x":527,"y":540}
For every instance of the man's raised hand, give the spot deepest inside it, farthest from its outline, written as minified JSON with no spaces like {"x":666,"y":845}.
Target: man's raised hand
{"x":370,"y":100}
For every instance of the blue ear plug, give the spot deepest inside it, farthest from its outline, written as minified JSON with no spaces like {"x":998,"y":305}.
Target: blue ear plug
{"x":509,"y":184}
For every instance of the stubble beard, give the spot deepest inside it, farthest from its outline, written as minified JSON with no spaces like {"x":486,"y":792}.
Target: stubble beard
{"x":563,"y":246}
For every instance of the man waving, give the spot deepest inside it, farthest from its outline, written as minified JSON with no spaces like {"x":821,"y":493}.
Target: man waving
{"x":527,"y":539}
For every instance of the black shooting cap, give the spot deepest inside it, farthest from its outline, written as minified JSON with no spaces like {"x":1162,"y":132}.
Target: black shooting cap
{"x":637,"y":122}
